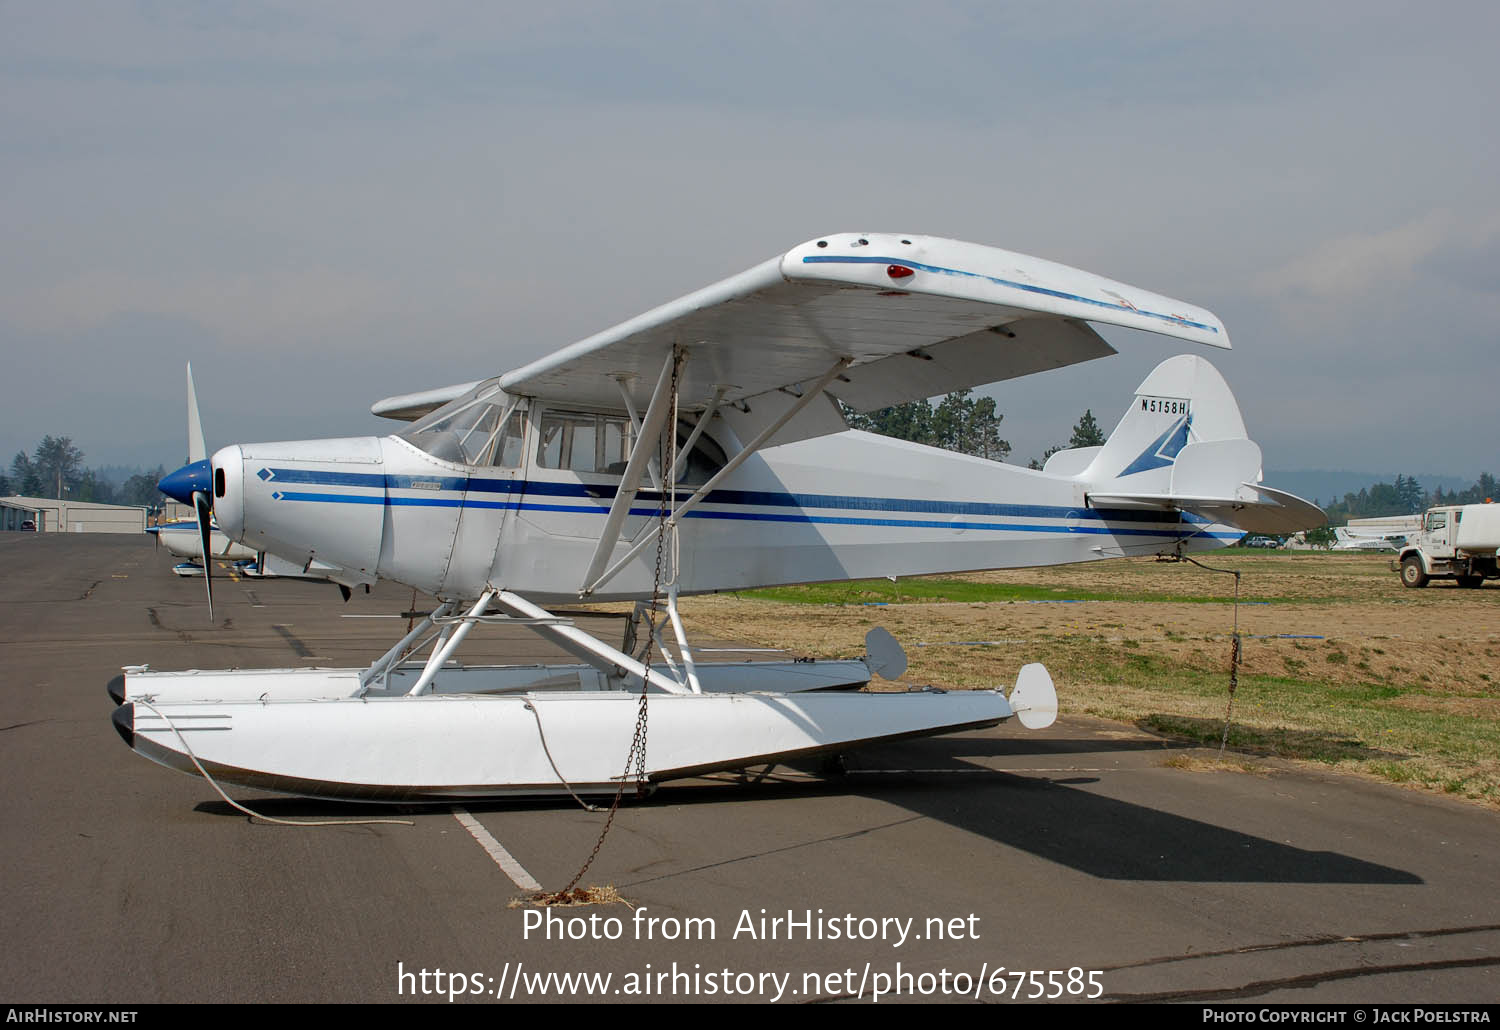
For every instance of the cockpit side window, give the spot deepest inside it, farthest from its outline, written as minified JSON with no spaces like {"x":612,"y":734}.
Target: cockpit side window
{"x":466,"y":430}
{"x":584,"y":442}
{"x":600,"y":444}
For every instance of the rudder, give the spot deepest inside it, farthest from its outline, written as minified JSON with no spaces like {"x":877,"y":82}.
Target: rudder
{"x":1183,"y":403}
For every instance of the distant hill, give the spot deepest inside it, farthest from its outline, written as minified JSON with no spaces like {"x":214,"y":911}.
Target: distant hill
{"x":1328,"y":485}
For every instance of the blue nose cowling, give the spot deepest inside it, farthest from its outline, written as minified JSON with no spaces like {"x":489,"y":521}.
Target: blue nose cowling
{"x":188,"y":480}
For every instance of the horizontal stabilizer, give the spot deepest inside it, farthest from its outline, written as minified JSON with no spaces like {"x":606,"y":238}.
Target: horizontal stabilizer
{"x":1279,"y":513}
{"x":1253,"y":509}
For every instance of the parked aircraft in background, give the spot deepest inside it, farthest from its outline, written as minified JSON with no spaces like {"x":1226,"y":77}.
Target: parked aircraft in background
{"x":1351,"y":540}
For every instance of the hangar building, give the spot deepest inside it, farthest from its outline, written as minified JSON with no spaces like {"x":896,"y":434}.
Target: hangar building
{"x":47,"y":515}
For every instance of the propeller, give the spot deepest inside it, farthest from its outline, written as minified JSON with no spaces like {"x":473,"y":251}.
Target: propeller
{"x":192,"y":485}
{"x":203,"y":508}
{"x":197,"y":450}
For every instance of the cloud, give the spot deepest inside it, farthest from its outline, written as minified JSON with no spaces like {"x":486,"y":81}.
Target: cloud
{"x":1353,"y":266}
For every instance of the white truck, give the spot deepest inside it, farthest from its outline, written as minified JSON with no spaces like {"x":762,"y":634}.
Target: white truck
{"x":1456,"y":541}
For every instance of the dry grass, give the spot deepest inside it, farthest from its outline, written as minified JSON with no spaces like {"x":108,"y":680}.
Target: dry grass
{"x":1341,"y":665}
{"x":575,"y":898}
{"x":1200,"y":763}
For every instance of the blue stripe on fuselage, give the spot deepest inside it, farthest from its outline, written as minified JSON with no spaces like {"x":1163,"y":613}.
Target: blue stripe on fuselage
{"x":1189,"y":524}
{"x":1190,"y":529}
{"x":605,"y":493}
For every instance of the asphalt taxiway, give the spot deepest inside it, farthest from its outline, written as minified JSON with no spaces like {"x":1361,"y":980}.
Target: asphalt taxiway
{"x":930,"y":866}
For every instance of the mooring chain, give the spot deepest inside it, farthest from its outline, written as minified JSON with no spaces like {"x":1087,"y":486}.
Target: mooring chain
{"x":1234,"y":647}
{"x":635,"y":759}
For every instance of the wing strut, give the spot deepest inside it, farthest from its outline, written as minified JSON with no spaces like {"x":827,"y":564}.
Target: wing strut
{"x":624,"y":383}
{"x":448,"y":643}
{"x":644,"y":450}
{"x":382,"y":666}
{"x":574,"y":640}
{"x":808,"y":396}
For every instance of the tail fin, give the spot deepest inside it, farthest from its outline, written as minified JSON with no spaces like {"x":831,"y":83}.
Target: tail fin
{"x":1183,"y":404}
{"x":1182,"y":446}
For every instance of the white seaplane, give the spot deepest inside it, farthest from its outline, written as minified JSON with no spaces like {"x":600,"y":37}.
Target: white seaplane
{"x":181,"y":539}
{"x":699,"y":447}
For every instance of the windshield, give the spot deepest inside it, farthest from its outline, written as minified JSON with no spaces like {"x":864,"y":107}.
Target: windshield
{"x":466,"y":429}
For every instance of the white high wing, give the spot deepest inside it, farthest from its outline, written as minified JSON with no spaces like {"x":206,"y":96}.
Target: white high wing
{"x":699,"y":447}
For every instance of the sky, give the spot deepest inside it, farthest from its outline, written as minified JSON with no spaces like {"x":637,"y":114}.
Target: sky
{"x":320,"y":205}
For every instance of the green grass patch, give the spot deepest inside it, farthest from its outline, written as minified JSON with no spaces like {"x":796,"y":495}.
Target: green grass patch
{"x":929,"y":591}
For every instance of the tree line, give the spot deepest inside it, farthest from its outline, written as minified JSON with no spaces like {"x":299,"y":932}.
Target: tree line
{"x":1086,"y":433}
{"x":961,"y":422}
{"x":55,"y":469}
{"x":1405,"y":496}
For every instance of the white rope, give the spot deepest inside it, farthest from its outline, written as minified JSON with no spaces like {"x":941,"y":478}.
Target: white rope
{"x":550,"y":761}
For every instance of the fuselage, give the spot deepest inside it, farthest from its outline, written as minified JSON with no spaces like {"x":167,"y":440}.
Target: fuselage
{"x":835,"y":507}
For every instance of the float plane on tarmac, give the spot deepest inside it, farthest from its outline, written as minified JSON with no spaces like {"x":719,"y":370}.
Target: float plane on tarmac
{"x":696,"y":448}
